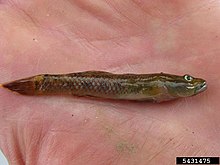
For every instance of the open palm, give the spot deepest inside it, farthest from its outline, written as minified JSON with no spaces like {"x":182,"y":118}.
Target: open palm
{"x":119,"y":36}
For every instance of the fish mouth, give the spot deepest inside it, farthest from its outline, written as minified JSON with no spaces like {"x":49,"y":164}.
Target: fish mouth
{"x":201,"y":87}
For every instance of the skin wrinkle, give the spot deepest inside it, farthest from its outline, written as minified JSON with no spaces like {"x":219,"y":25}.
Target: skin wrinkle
{"x":117,"y":159}
{"x":125,"y":121}
{"x":196,"y":136}
{"x":96,"y":152}
{"x":110,"y":161}
{"x":75,"y":31}
{"x":41,"y":137}
{"x":145,"y":24}
{"x":188,"y":148}
{"x":143,"y":10}
{"x":134,"y":132}
{"x":200,"y":138}
{"x":113,"y":66}
{"x":82,"y":37}
{"x":39,"y":149}
{"x":92,"y":17}
{"x":121,"y":13}
{"x":118,"y":37}
{"x":31,"y":18}
{"x":37,"y":65}
{"x":118,"y":44}
{"x":121,"y":157}
{"x":62,"y":33}
{"x":88,"y":45}
{"x":119,"y":136}
{"x":126,"y":18}
{"x":123,"y":66}
{"x":23,"y":139}
{"x":121,"y":105}
{"x":94,"y":11}
{"x":146,"y":135}
{"x":128,"y":142}
{"x":91,"y":155}
{"x":91,"y":46}
{"x":26,"y":16}
{"x":130,"y":118}
{"x":123,"y":43}
{"x":174,"y":22}
{"x":51,"y":145}
{"x":109,"y":38}
{"x":16,"y":148}
{"x":194,"y":10}
{"x":163,"y":147}
{"x":34,"y":16}
{"x":79,"y":154}
{"x":129,"y":67}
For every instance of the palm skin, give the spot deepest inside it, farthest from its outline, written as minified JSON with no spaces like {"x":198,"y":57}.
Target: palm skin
{"x":119,"y":36}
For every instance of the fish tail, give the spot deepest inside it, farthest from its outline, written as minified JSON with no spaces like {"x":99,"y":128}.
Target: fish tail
{"x":23,"y":86}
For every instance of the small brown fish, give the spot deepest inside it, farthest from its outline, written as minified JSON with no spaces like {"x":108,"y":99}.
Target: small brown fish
{"x":150,"y":87}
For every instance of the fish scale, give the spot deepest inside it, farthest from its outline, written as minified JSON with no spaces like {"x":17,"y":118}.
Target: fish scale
{"x":80,"y":85}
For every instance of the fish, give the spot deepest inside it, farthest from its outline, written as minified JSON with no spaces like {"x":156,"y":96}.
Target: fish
{"x":155,"y":87}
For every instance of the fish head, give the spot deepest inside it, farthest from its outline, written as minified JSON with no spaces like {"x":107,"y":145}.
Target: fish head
{"x":185,"y":86}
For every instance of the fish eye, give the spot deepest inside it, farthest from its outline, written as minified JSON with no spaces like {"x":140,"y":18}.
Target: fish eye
{"x":188,"y":77}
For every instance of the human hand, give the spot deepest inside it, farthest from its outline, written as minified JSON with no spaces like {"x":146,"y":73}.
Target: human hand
{"x":119,"y":36}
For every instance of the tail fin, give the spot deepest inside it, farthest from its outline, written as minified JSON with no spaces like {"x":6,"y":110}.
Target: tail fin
{"x":23,"y":86}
